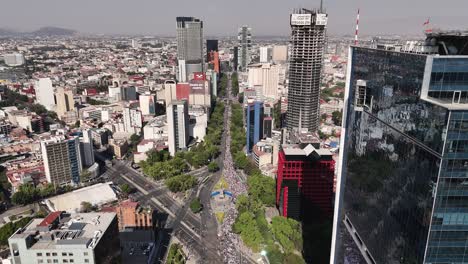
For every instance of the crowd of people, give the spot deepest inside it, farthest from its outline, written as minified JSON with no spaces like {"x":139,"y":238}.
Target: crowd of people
{"x":230,"y":242}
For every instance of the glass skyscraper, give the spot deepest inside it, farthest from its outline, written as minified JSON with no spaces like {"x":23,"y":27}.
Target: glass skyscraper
{"x":402,"y":189}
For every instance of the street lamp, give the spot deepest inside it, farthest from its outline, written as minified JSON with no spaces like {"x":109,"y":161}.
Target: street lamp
{"x":265,"y":256}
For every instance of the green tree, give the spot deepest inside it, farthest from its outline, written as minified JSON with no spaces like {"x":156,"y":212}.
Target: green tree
{"x":288,"y":233}
{"x":336,"y":117}
{"x":324,"y":116}
{"x":246,"y":226}
{"x":8,"y":229}
{"x":181,"y":183}
{"x":196,"y":205}
{"x":240,"y":160}
{"x":87,"y":207}
{"x":47,"y":190}
{"x":263,"y":188}
{"x":126,"y":189}
{"x":134,"y":139}
{"x":213,"y":167}
{"x":85,"y":175}
{"x":293,"y":258}
{"x":26,"y":194}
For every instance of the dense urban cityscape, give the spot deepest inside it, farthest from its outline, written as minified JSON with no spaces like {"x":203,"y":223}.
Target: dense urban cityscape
{"x":311,"y":148}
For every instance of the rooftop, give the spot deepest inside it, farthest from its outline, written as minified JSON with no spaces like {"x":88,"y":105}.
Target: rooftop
{"x":62,"y":230}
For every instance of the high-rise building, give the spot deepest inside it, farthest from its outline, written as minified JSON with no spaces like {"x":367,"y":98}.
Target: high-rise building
{"x":235,"y":58}
{"x":62,"y":160}
{"x":244,"y":37}
{"x":190,"y":44}
{"x":128,"y":93}
{"x":87,"y":149}
{"x":265,"y":54}
{"x":147,"y":104}
{"x":62,"y":237}
{"x":254,"y":121}
{"x":401,"y":187}
{"x":211,"y":45}
{"x":264,"y":77}
{"x":133,"y":120}
{"x":45,"y":93}
{"x":305,"y":68}
{"x":65,"y":102}
{"x":178,"y":126}
{"x":280,"y":54}
{"x":305,"y":174}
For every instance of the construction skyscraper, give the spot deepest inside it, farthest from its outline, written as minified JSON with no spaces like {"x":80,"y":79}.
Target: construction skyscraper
{"x":245,"y":43}
{"x":308,"y":40}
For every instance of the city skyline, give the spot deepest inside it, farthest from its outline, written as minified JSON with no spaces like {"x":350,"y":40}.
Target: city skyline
{"x":152,"y":18}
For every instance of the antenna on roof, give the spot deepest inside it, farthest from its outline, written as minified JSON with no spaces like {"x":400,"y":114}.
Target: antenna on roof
{"x":357,"y":29}
{"x":321,"y":6}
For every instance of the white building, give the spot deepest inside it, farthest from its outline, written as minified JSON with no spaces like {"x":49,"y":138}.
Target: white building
{"x":170,"y":91}
{"x":178,"y":126}
{"x":265,"y":54}
{"x":14,"y":59}
{"x":156,"y":128}
{"x":87,"y":150}
{"x":62,"y":237}
{"x":198,"y":122}
{"x":148,"y":104}
{"x":45,"y":93}
{"x":133,"y":120}
{"x":265,"y":78}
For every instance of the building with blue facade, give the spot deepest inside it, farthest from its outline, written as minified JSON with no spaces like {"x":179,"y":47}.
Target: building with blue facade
{"x":254,"y":120}
{"x":402,"y":188}
{"x":62,"y":160}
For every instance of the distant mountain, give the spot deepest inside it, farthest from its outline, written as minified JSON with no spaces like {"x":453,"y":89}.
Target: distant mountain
{"x":53,"y":31}
{"x":42,"y":32}
{"x":7,"y":32}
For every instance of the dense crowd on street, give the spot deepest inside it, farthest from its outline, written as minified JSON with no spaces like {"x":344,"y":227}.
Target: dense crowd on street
{"x":230,"y":242}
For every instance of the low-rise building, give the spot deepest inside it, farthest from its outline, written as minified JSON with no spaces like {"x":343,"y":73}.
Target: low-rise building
{"x":66,"y":238}
{"x":119,"y":147}
{"x":132,"y":214}
{"x":146,"y":145}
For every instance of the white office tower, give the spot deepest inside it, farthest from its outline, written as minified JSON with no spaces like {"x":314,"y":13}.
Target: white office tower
{"x":62,"y":160}
{"x":170,"y":93}
{"x":45,"y":93}
{"x":280,"y":54}
{"x":265,"y":54}
{"x":245,"y":44}
{"x":182,"y":71}
{"x":133,"y":120}
{"x":87,"y":150}
{"x":264,"y":77}
{"x":178,"y":126}
{"x":14,"y":59}
{"x":189,"y":44}
{"x":147,"y":104}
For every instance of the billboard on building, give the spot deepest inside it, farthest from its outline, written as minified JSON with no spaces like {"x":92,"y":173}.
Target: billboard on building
{"x":301,"y":19}
{"x":321,"y":19}
{"x":199,"y":76}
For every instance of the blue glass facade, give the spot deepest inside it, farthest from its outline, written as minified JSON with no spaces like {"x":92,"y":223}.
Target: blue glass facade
{"x":254,"y":118}
{"x":74,"y":160}
{"x":402,"y":196}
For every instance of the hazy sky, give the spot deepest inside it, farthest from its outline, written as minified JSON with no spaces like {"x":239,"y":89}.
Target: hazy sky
{"x":222,"y":17}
